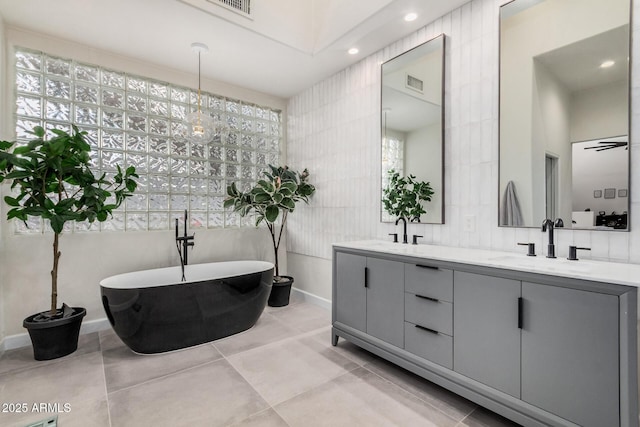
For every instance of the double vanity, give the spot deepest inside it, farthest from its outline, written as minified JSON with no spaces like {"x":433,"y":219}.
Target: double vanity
{"x":540,"y":341}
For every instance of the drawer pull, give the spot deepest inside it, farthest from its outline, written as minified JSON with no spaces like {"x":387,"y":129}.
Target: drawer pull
{"x":427,"y":329}
{"x":366,"y":277}
{"x":427,"y":298}
{"x":430,"y":267}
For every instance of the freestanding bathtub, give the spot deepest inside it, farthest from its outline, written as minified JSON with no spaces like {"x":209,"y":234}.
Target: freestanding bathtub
{"x":153,"y":311}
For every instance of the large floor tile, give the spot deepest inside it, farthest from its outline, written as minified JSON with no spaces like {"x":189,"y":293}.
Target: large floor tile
{"x":266,"y":330}
{"x":303,"y":317}
{"x":77,"y":382}
{"x":109,"y":339}
{"x":454,"y":406}
{"x":482,"y":417}
{"x":344,"y":347}
{"x":360,"y":398}
{"x":124,"y":368}
{"x":294,"y":298}
{"x":22,"y":358}
{"x":286,"y":368}
{"x":213,"y":395}
{"x":268,"y":418}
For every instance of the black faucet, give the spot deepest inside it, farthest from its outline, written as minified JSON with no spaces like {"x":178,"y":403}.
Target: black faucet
{"x":185,"y":241}
{"x":551,"y":247}
{"x":404,"y":233}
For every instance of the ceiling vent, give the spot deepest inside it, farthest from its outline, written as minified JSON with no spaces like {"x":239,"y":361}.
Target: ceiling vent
{"x":242,"y":7}
{"x":414,"y":83}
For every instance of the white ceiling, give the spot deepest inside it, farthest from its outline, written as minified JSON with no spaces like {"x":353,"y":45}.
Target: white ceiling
{"x":286,"y":47}
{"x":577,"y":66}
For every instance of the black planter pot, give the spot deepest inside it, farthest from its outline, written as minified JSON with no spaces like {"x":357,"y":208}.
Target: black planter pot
{"x":280,"y":292}
{"x":55,"y":338}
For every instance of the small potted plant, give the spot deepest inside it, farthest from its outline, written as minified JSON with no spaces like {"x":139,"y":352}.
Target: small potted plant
{"x":276,"y":194}
{"x":51,"y":179}
{"x":404,"y":195}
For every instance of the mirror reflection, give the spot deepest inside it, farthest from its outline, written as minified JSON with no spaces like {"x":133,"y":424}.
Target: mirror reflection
{"x":564,"y":113}
{"x":412,"y":122}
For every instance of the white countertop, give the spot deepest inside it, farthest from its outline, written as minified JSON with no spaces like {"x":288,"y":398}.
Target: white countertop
{"x":608,"y":272}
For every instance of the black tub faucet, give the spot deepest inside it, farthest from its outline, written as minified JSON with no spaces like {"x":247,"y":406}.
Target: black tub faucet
{"x":185,"y":241}
{"x":404,"y":233}
{"x":551,"y":247}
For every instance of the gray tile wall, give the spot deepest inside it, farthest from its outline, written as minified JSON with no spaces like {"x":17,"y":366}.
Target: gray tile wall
{"x":334,"y":130}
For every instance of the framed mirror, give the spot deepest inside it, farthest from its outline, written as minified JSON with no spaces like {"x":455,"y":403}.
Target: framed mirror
{"x":564,"y":113}
{"x":412,"y":122}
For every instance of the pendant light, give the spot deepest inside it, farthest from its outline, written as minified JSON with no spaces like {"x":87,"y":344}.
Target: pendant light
{"x":200,"y":127}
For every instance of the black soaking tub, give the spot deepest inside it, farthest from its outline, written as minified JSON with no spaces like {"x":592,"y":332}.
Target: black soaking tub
{"x":153,"y":311}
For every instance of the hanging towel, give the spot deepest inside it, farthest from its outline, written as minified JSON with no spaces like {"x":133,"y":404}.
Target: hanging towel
{"x":510,"y":213}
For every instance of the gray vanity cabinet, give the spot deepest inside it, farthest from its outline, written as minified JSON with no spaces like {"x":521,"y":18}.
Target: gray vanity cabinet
{"x":570,"y":356}
{"x":370,"y":296}
{"x":485,"y":323}
{"x":540,"y":349}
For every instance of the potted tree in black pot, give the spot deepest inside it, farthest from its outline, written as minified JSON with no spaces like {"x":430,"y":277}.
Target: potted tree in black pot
{"x":51,"y":178}
{"x":276,"y":194}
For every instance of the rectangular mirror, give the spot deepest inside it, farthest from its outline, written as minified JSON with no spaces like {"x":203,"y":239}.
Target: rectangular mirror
{"x":412,"y":122}
{"x":564,"y":113}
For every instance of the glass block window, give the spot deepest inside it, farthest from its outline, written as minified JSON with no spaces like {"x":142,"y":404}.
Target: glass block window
{"x":136,"y":121}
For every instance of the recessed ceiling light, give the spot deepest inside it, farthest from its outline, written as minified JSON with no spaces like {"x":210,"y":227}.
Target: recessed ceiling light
{"x":607,"y":64}
{"x":353,"y":51}
{"x":410,"y":17}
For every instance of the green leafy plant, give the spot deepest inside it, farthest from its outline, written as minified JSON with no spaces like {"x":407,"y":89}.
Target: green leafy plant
{"x":53,"y":180}
{"x":276,"y":194}
{"x":404,"y":195}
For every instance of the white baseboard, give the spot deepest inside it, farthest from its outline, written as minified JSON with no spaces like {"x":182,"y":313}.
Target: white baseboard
{"x":22,"y":340}
{"x":314,"y":299}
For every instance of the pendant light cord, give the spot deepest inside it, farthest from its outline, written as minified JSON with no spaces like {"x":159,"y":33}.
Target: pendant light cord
{"x":199,"y":85}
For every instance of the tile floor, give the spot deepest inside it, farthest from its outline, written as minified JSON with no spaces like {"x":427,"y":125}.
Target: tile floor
{"x":282,"y":372}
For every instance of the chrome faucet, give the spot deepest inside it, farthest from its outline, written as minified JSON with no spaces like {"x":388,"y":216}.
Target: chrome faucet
{"x":551,"y":247}
{"x":186,"y":241}
{"x":404,"y":234}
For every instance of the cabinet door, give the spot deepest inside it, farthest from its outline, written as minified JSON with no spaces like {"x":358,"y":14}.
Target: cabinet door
{"x":486,"y":337}
{"x":385,"y":300}
{"x":570,"y":353}
{"x":351,"y":294}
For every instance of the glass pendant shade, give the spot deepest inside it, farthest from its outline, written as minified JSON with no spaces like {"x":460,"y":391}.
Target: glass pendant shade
{"x":200,"y":127}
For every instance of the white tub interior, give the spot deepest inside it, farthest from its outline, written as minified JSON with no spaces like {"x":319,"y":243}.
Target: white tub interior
{"x":193,"y":273}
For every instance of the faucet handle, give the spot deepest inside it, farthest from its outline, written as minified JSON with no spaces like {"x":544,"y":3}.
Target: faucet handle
{"x":395,"y":237}
{"x":415,"y":239}
{"x":531,"y":248}
{"x":573,"y":252}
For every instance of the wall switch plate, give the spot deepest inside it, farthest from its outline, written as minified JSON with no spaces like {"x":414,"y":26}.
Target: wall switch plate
{"x":469,"y":223}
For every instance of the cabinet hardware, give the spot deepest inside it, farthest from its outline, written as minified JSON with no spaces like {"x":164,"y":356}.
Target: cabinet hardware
{"x":430,"y":267}
{"x":428,"y":298}
{"x":520,"y":307}
{"x":366,"y":277}
{"x":427,"y":329}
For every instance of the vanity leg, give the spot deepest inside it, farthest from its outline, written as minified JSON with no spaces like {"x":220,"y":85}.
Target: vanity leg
{"x":334,"y":340}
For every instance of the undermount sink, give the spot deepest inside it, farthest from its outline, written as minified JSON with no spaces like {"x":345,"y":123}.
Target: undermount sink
{"x":542,"y":263}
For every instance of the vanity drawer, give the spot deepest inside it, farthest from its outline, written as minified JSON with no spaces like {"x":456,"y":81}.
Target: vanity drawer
{"x":437,"y":315}
{"x":435,"y":347}
{"x":429,"y":281}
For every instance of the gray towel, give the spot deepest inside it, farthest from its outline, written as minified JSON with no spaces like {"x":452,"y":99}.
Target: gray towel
{"x":510,"y":209}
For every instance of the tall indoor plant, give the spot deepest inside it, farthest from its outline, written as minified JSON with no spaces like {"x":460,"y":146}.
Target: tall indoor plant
{"x":278,"y":193}
{"x":51,"y":178}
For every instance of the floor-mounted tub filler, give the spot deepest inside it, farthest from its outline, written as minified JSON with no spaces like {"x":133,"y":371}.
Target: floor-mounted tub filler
{"x":153,"y":311}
